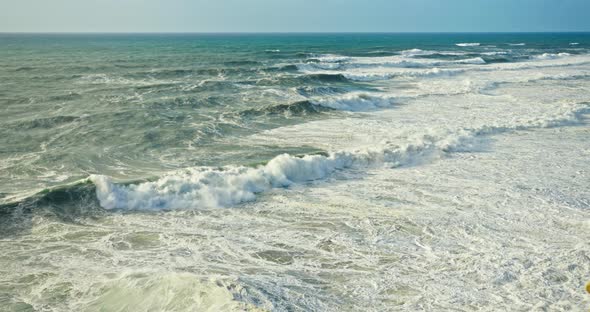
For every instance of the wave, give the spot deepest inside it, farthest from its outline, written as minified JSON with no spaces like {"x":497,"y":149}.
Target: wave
{"x":381,"y":71}
{"x":287,"y":68}
{"x":330,"y":58}
{"x":492,"y":53}
{"x":68,"y":201}
{"x":468,"y":44}
{"x":550,"y":56}
{"x":145,"y":82}
{"x":386,"y":61}
{"x":355,"y":102}
{"x":577,"y":76}
{"x":385,"y":75}
{"x":300,"y":108}
{"x":517,"y":44}
{"x":24,"y":68}
{"x":207,"y":187}
{"x":43,"y":122}
{"x":326,"y":77}
{"x":574,"y":43}
{"x":307,"y":77}
{"x":419,"y":52}
{"x":210,"y":187}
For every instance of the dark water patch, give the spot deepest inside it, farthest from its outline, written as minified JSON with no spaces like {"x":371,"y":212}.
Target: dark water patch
{"x":290,"y":80}
{"x":24,"y":68}
{"x":378,"y":54}
{"x":242,"y":63}
{"x":129,"y":66}
{"x":182,"y":102}
{"x":320,"y":90}
{"x":43,"y":123}
{"x":68,"y":203}
{"x":326,"y":77}
{"x":161,"y":74}
{"x":158,"y":85}
{"x":300,"y":108}
{"x":283,"y":68}
{"x":66,"y":97}
{"x":497,"y":59}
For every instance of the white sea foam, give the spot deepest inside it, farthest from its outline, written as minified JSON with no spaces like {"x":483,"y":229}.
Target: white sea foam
{"x":550,"y":56}
{"x":331,"y":58}
{"x":574,"y":43}
{"x":419,"y":52}
{"x":517,"y":44}
{"x":386,"y":73}
{"x":468,"y":44}
{"x":396,"y":61}
{"x":355,"y":101}
{"x":495,"y":53}
{"x":412,"y":52}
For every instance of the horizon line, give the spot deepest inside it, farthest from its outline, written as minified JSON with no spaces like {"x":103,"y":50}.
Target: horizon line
{"x":291,"y":32}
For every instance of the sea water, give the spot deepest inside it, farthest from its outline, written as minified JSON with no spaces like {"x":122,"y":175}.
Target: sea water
{"x":294,"y":172}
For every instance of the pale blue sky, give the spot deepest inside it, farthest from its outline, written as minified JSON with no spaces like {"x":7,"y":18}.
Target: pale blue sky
{"x":293,"y":15}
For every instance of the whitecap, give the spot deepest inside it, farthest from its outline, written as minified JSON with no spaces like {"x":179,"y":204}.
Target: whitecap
{"x":355,"y":102}
{"x":468,"y":44}
{"x":550,"y":56}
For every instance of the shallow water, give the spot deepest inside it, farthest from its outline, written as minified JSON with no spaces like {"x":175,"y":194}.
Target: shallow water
{"x":294,"y":172}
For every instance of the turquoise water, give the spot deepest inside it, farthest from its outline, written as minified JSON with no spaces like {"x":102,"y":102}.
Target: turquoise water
{"x":125,"y":145}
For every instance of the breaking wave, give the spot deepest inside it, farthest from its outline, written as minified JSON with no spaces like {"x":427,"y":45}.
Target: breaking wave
{"x":550,"y":56}
{"x":208,"y":187}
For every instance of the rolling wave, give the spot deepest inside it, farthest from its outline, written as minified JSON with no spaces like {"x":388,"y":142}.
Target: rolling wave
{"x":207,"y":187}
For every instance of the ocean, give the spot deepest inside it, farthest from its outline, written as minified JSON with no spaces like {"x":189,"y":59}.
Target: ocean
{"x":294,"y":172}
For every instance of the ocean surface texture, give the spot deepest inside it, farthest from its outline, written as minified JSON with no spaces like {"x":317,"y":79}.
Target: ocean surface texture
{"x":349,"y":172}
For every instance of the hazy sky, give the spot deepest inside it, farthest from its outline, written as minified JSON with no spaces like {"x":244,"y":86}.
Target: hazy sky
{"x":293,"y":15}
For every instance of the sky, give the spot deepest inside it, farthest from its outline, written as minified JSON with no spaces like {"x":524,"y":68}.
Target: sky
{"x":294,"y":15}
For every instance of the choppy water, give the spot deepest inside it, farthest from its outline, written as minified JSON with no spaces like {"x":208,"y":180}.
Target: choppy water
{"x":294,"y":172}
